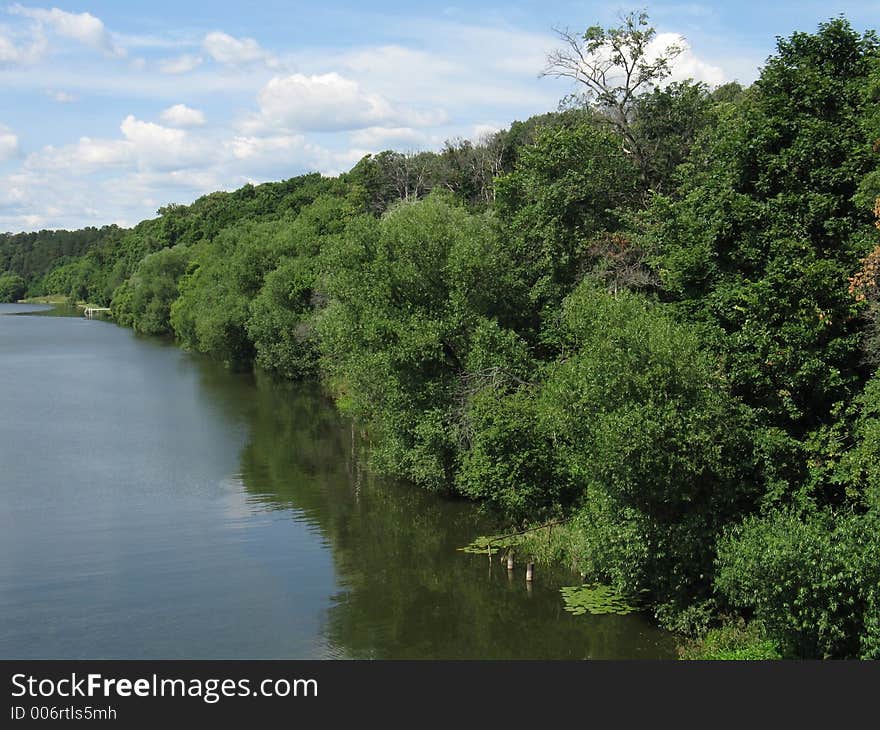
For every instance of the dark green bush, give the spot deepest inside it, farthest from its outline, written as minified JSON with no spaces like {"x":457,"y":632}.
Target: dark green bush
{"x":812,"y":581}
{"x":144,"y":301}
{"x":12,"y":287}
{"x":647,"y":432}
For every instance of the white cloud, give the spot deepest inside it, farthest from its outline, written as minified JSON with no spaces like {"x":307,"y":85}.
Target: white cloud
{"x":688,"y":65}
{"x":149,"y":133}
{"x":232,"y":51}
{"x":508,"y":50}
{"x":465,"y":66}
{"x":10,"y":194}
{"x":17,"y":52}
{"x":82,"y":27}
{"x":334,"y":162}
{"x":275,"y":157}
{"x":8,"y":143}
{"x":62,"y":97}
{"x":180,"y":115}
{"x":181,"y":64}
{"x":399,"y":62}
{"x":36,"y":199}
{"x":484,"y":130}
{"x":84,"y":156}
{"x":156,"y":147}
{"x":324,"y":102}
{"x":29,"y":222}
{"x":144,"y":145}
{"x":156,"y":184}
{"x":249,"y":148}
{"x":330,"y":102}
{"x":94,"y":181}
{"x":398,"y":138}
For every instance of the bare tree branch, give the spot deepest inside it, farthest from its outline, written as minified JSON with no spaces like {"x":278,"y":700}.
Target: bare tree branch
{"x":615,"y":66}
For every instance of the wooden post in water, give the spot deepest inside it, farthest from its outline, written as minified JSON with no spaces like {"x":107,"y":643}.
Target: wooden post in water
{"x":530,"y":572}
{"x":510,"y":560}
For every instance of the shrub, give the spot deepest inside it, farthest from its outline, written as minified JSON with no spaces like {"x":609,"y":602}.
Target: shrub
{"x":811,"y":581}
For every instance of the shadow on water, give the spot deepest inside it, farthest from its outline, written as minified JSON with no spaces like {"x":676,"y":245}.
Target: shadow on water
{"x":405,"y":589}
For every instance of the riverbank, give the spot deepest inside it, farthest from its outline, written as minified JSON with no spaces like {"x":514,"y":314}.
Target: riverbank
{"x":201,"y":513}
{"x":559,"y":550}
{"x":62,"y":306}
{"x":48,"y":299}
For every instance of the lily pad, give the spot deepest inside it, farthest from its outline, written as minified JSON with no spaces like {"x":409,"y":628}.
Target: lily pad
{"x":597,"y":599}
{"x":491,"y":544}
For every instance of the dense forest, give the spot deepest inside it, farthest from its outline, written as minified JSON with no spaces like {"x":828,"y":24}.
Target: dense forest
{"x":654,"y":312}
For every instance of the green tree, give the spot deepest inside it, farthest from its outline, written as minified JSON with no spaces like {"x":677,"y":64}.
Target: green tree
{"x":615,"y":66}
{"x":282,"y":315}
{"x":12,"y":287}
{"x":666,"y":124}
{"x":813,"y":581}
{"x":562,"y":193}
{"x":764,"y":233}
{"x":657,"y":448}
{"x":407,"y":293}
{"x":144,"y":301}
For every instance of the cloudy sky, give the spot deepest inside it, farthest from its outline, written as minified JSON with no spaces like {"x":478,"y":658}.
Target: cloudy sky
{"x":112,"y":109}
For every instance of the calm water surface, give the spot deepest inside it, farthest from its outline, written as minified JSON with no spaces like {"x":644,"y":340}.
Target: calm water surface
{"x":154,"y":505}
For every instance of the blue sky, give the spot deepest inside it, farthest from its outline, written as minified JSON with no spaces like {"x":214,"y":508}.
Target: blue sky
{"x":113,"y":109}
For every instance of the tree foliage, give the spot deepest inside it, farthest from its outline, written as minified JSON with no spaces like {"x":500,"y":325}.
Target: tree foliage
{"x":143,"y":302}
{"x":12,"y":287}
{"x":615,"y":66}
{"x":407,"y":294}
{"x":813,"y":582}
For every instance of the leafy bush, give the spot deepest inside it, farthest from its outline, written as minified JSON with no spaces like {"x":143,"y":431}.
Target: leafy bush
{"x":144,"y":301}
{"x":648,"y":434}
{"x":12,"y":287}
{"x":511,"y":462}
{"x":811,"y":581}
{"x":409,"y":296}
{"x":213,"y":308}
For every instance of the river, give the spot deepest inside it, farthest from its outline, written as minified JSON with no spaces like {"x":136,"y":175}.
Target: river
{"x":155,"y":505}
